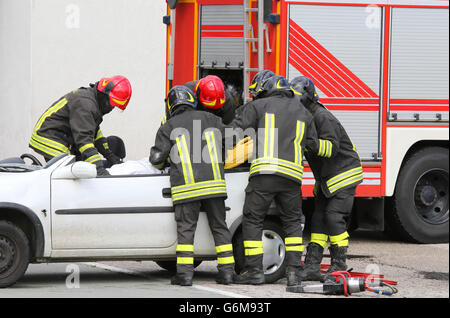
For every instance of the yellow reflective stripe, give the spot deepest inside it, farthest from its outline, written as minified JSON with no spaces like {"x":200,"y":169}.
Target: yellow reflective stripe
{"x":50,"y":143}
{"x":296,"y":92}
{"x":253,"y":244}
{"x":338,"y":238}
{"x":266,"y":135}
{"x":346,"y":182}
{"x":298,"y":142}
{"x":183,"y":164}
{"x":225,"y":260}
{"x":49,"y":151}
{"x":99,"y":135}
{"x":343,"y":175}
{"x":185,"y":260}
{"x":254,"y":251}
{"x":211,"y":142}
{"x":293,"y":240}
{"x":325,"y":148}
{"x":213,"y":103}
{"x":211,"y":153}
{"x":319,"y":237}
{"x":278,"y":162}
{"x":198,"y":186}
{"x":50,"y":111}
{"x":274,"y":169}
{"x":183,"y":151}
{"x":93,"y":158}
{"x":269,"y":145}
{"x":330,"y":149}
{"x":296,"y":248}
{"x":224,"y":248}
{"x":272,"y":135}
{"x":194,"y":194}
{"x":185,"y":248}
{"x":86,"y":146}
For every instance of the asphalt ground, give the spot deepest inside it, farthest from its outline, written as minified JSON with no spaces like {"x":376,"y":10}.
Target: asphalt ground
{"x":421,"y":271}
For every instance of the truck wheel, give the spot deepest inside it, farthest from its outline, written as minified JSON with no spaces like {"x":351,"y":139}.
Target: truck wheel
{"x":420,"y":204}
{"x":14,"y":253}
{"x":274,"y":251}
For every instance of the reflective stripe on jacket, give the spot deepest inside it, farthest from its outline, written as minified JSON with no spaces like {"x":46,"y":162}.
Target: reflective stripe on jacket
{"x":71,"y":125}
{"x":284,"y":130}
{"x":336,"y":165}
{"x":196,"y":170}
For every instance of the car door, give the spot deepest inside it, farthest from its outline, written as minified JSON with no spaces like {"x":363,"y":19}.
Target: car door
{"x":114,"y":212}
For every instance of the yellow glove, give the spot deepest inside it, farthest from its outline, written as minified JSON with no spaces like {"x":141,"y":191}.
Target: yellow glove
{"x":240,"y":154}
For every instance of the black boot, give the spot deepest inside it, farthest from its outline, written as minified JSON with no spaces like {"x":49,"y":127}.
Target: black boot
{"x":311,"y":268}
{"x":225,"y":277}
{"x":338,"y":259}
{"x":293,"y":276}
{"x":253,"y":276}
{"x":182,"y":279}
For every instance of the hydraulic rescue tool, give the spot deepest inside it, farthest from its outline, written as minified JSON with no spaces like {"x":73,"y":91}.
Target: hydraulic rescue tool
{"x":347,"y":283}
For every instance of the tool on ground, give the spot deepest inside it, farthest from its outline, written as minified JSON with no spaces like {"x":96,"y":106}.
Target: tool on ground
{"x":347,"y":283}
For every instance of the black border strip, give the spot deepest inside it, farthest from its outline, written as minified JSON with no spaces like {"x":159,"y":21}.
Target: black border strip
{"x":125,"y":210}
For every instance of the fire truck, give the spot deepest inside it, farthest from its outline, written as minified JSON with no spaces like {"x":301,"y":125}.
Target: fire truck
{"x":381,"y":67}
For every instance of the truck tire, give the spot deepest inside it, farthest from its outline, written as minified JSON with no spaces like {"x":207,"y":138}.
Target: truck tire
{"x":420,"y":210}
{"x":14,"y":253}
{"x":274,"y":251}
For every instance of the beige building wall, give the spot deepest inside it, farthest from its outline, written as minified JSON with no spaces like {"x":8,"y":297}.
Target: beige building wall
{"x":50,"y":47}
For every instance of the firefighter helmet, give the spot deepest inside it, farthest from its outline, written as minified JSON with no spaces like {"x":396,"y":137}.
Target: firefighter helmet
{"x":303,"y":87}
{"x":180,"y":95}
{"x":210,"y":92}
{"x":255,"y":87}
{"x":272,"y":84}
{"x":118,"y":89}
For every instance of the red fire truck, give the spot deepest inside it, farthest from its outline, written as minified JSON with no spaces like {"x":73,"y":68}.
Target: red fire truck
{"x":381,"y":66}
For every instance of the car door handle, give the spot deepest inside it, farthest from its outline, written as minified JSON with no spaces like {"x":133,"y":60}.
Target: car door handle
{"x":166,"y":193}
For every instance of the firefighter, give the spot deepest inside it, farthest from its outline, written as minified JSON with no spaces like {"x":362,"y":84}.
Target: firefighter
{"x":284,"y":131}
{"x":72,"y":124}
{"x":337,"y":170}
{"x":212,"y":97}
{"x":255,"y":87}
{"x":195,"y":182}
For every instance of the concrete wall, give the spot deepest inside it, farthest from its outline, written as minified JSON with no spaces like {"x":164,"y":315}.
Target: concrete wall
{"x":49,"y":47}
{"x":15,"y":76}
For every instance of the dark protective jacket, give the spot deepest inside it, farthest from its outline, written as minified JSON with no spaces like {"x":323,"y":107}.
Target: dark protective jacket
{"x":284,"y":129}
{"x":193,"y":140}
{"x":336,"y":165}
{"x":226,"y":112}
{"x":72,"y":125}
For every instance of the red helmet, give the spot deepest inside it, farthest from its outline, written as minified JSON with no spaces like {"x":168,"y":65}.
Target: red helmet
{"x":118,"y":88}
{"x":211,"y":92}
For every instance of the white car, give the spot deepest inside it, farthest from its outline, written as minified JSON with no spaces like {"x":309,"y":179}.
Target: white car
{"x":63,"y":212}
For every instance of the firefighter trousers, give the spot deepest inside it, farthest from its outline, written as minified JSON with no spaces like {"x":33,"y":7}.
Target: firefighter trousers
{"x":331,"y":216}
{"x":261,"y":191}
{"x":186,"y":216}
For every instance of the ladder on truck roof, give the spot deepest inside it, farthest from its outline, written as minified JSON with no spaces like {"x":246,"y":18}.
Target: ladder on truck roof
{"x":249,"y":40}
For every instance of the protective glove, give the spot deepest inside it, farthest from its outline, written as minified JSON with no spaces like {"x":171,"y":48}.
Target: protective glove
{"x":101,"y":171}
{"x":240,"y":154}
{"x":113,"y":159}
